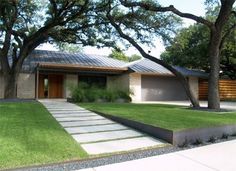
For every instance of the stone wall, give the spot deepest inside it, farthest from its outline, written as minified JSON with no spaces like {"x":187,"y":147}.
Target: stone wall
{"x":70,"y":81}
{"x":26,"y":86}
{"x":135,"y":87}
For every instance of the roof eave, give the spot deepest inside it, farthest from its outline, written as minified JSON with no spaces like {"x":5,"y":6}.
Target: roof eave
{"x":75,"y":67}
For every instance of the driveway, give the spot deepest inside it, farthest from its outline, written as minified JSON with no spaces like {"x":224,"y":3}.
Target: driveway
{"x":224,"y":104}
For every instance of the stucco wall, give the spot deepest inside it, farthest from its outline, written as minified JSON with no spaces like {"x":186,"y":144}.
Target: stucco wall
{"x":135,"y":87}
{"x":70,"y":81}
{"x":193,"y":82}
{"x":26,"y":86}
{"x":120,"y":82}
{"x":1,"y":86}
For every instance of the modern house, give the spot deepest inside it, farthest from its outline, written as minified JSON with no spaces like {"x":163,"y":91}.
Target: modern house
{"x":47,"y":74}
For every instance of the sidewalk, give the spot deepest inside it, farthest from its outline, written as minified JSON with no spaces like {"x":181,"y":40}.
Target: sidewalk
{"x":216,"y":157}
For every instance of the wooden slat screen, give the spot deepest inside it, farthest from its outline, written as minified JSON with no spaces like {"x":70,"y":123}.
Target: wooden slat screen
{"x":227,"y":89}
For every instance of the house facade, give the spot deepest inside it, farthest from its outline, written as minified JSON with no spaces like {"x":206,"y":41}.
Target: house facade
{"x":50,"y":74}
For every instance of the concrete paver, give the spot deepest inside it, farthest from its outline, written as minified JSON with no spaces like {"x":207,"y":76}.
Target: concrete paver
{"x":73,"y":115}
{"x":86,"y":123}
{"x":69,"y":112}
{"x":120,"y":145}
{"x":103,"y":136}
{"x":96,"y":128}
{"x":71,"y":118}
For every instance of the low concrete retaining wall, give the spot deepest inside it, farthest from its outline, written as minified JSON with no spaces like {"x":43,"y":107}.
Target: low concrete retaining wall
{"x":202,"y":134}
{"x":161,"y":133}
{"x":176,"y":137}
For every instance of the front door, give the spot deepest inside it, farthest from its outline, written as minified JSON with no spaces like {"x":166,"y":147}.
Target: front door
{"x":50,"y":86}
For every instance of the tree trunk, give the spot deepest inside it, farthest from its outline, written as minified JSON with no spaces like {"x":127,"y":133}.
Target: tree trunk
{"x":10,"y":87}
{"x":213,"y":86}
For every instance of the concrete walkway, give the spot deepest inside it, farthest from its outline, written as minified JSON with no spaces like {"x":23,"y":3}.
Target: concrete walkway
{"x":96,"y":134}
{"x":216,"y":157}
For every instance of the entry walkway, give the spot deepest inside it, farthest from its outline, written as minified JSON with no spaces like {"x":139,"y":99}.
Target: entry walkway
{"x":96,"y":134}
{"x":216,"y":157}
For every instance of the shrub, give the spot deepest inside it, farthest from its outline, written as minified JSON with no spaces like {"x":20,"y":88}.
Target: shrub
{"x":212,"y":139}
{"x":124,"y":95}
{"x":84,"y":93}
{"x":198,"y":141}
{"x":225,"y":136}
{"x":78,"y":95}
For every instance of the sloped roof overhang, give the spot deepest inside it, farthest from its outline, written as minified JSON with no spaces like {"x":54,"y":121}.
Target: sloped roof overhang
{"x":75,"y":68}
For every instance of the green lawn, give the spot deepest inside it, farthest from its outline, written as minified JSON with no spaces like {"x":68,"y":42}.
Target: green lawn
{"x":165,"y":116}
{"x":29,"y":135}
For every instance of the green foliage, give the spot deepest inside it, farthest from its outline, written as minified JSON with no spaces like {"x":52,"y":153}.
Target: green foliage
{"x":68,"y":47}
{"x":85,"y":93}
{"x":190,"y":48}
{"x":118,"y":54}
{"x":134,"y":57}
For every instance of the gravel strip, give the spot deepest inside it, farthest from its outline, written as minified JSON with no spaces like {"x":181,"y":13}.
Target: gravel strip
{"x":90,"y":163}
{"x":76,"y":165}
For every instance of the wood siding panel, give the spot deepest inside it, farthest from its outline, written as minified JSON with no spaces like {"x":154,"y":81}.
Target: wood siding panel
{"x":227,"y":89}
{"x":55,"y":86}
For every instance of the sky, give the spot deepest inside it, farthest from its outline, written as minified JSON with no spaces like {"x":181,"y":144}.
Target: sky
{"x":191,"y":6}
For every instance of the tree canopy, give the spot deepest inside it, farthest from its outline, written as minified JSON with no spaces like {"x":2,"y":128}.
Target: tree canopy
{"x":190,"y":45}
{"x":69,"y":47}
{"x":24,"y":25}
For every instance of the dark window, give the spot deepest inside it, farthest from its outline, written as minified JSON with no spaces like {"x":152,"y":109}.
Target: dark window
{"x":98,"y":81}
{"x":45,"y":82}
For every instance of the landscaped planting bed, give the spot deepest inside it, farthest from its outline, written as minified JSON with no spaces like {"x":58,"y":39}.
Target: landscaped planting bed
{"x":175,"y":124}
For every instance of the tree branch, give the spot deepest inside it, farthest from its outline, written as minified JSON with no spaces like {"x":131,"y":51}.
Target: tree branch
{"x":182,"y":79}
{"x":54,"y":7}
{"x":171,"y":8}
{"x":42,"y":34}
{"x":224,"y":13}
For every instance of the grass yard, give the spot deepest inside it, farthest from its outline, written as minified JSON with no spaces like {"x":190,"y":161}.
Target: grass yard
{"x":165,"y":116}
{"x":29,"y":135}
